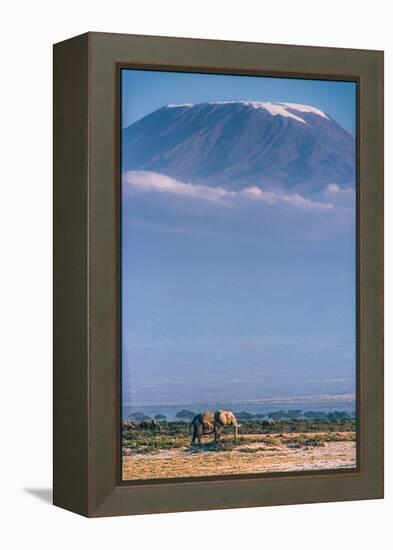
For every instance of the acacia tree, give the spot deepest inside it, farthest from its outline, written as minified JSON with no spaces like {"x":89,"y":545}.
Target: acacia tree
{"x":185,"y":414}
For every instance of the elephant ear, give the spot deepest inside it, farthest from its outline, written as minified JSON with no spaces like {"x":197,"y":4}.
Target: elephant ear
{"x":222,"y":417}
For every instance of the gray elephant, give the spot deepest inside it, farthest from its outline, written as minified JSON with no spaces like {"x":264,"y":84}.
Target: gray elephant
{"x":207,"y":423}
{"x":150,"y":425}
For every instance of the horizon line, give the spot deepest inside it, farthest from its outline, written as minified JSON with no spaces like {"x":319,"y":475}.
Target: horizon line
{"x":316,"y":398}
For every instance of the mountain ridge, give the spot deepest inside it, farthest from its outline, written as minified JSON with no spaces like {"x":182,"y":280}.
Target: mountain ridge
{"x":235,"y":144}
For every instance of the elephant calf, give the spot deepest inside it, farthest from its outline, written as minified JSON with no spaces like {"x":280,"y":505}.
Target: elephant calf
{"x":207,"y":423}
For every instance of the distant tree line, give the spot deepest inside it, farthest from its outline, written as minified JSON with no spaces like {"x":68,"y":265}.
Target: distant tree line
{"x":185,"y":414}
{"x":294,"y":414}
{"x":140,"y":417}
{"x":291,"y":414}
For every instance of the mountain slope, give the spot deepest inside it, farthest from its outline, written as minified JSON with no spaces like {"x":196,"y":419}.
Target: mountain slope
{"x":236,"y":144}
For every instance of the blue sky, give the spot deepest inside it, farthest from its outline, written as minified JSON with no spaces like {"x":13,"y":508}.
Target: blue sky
{"x":231,"y":300}
{"x":146,"y":91}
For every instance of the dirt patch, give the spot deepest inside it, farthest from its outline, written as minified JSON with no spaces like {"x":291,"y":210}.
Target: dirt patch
{"x":258,"y":456}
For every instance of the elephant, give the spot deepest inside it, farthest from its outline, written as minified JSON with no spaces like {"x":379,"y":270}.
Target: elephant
{"x":207,"y":423}
{"x":150,"y":425}
{"x":127,"y":425}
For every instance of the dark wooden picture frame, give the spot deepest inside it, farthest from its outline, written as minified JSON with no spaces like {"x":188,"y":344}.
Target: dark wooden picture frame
{"x":86,"y":418}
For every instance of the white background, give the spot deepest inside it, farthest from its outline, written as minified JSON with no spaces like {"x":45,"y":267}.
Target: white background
{"x":28,"y":29}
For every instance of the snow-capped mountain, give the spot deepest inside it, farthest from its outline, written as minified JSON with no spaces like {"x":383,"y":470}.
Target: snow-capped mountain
{"x":236,"y":144}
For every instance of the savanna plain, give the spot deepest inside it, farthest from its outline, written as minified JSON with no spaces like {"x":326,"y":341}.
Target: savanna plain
{"x":165,"y":450}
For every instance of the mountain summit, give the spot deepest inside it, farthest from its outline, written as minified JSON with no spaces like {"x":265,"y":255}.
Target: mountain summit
{"x":236,"y":144}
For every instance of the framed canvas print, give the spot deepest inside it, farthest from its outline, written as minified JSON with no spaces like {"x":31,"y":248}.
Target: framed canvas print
{"x":218,"y":249}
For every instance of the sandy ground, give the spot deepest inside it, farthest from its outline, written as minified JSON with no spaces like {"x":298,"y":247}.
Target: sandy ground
{"x":247,"y":458}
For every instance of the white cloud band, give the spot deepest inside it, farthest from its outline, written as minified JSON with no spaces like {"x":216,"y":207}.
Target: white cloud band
{"x":152,"y":181}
